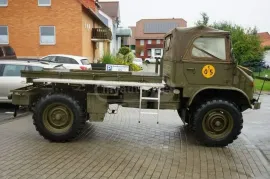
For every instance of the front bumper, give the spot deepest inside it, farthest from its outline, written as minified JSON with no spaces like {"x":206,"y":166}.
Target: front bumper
{"x":256,"y":104}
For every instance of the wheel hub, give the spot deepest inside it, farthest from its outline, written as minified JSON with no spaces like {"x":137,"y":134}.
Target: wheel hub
{"x":217,"y":123}
{"x":57,"y":118}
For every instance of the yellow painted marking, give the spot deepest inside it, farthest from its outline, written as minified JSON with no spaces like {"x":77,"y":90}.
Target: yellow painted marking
{"x":208,"y":71}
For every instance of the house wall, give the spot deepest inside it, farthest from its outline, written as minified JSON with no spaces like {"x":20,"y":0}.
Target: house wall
{"x":147,"y":46}
{"x":24,"y":18}
{"x":112,"y":44}
{"x":87,"y":45}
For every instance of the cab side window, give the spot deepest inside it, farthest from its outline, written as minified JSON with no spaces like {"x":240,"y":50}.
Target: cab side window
{"x":210,"y":48}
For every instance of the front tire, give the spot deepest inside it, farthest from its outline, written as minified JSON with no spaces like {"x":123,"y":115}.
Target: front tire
{"x":217,"y":123}
{"x":59,"y":118}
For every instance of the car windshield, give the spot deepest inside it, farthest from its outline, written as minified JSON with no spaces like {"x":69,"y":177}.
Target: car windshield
{"x":85,"y":61}
{"x":137,"y":60}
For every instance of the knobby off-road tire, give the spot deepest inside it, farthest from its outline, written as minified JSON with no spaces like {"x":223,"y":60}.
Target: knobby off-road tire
{"x":217,"y":123}
{"x":59,"y":118}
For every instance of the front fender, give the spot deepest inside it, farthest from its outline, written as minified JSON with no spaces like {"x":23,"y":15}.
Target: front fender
{"x":198,"y":91}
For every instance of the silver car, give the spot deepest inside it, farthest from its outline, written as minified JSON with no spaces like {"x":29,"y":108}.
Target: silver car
{"x":10,"y":75}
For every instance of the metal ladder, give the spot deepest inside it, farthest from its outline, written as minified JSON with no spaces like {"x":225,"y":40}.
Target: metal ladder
{"x":152,"y":99}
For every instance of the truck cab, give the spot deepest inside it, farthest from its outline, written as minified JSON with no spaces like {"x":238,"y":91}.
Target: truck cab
{"x":199,"y":61}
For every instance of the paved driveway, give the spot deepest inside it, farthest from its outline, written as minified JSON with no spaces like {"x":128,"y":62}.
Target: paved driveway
{"x":7,"y":111}
{"x":120,"y":147}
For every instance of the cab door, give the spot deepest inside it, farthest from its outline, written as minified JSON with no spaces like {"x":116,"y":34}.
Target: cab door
{"x":208,"y":61}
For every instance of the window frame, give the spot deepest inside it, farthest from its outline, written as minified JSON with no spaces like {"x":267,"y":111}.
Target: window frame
{"x":54,"y":28}
{"x":203,"y":59}
{"x":158,"y":41}
{"x":149,"y":41}
{"x":7,"y":35}
{"x":5,"y":5}
{"x":149,"y":50}
{"x":158,"y":50}
{"x":45,"y":5}
{"x":141,"y":42}
{"x":142,"y":53}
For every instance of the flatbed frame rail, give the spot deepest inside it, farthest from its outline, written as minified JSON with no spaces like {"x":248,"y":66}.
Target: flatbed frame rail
{"x":141,"y":85}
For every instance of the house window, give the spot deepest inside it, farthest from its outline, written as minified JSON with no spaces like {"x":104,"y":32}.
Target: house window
{"x":157,"y":52}
{"x":47,"y":35}
{"x":3,"y":3}
{"x":43,"y":2}
{"x":158,"y":41}
{"x":141,"y":42}
{"x":142,"y":53}
{"x":149,"y":52}
{"x":149,"y":41}
{"x":207,"y":47}
{"x":4,"y":35}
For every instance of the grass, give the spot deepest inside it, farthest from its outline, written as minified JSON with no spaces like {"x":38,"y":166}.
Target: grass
{"x":259,"y":83}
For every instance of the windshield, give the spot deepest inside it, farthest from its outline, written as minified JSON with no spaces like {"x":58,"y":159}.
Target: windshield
{"x":137,"y":60}
{"x":85,"y":61}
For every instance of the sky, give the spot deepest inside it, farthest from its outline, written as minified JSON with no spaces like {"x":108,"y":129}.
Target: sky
{"x":247,"y":13}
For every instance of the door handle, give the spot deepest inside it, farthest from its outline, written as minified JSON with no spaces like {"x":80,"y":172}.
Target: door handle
{"x":192,"y":69}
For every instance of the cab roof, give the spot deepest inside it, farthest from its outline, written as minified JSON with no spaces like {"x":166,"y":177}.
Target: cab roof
{"x":202,"y":29}
{"x":182,"y":38}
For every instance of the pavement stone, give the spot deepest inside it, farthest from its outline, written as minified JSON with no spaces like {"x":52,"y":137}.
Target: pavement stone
{"x":120,"y":147}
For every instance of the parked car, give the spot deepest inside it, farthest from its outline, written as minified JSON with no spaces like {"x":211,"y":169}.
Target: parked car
{"x":7,"y":52}
{"x":69,"y":61}
{"x":151,"y":60}
{"x":10,"y":75}
{"x":138,"y":61}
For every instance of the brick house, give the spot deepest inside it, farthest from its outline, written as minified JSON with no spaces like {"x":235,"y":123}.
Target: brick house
{"x":36,"y":28}
{"x":265,"y":42}
{"x":149,"y":34}
{"x":112,"y":9}
{"x":265,"y":38}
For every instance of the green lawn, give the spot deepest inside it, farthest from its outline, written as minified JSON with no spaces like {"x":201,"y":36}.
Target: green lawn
{"x":258,"y":83}
{"x":263,"y":73}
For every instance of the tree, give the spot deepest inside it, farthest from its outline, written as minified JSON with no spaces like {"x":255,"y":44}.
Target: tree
{"x":204,"y":21}
{"x":246,"y":43}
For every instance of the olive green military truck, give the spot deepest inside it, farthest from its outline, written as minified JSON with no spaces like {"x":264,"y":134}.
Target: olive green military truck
{"x":198,"y":77}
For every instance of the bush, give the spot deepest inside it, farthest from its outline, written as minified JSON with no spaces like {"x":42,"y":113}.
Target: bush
{"x":124,"y":50}
{"x":267,"y":48}
{"x":134,"y":67}
{"x":108,"y":59}
{"x":121,"y":59}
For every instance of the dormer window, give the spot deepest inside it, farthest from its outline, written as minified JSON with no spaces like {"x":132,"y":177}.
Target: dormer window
{"x":44,"y":2}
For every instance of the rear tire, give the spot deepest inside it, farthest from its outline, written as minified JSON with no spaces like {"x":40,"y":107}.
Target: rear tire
{"x":59,"y":118}
{"x":217,"y":123}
